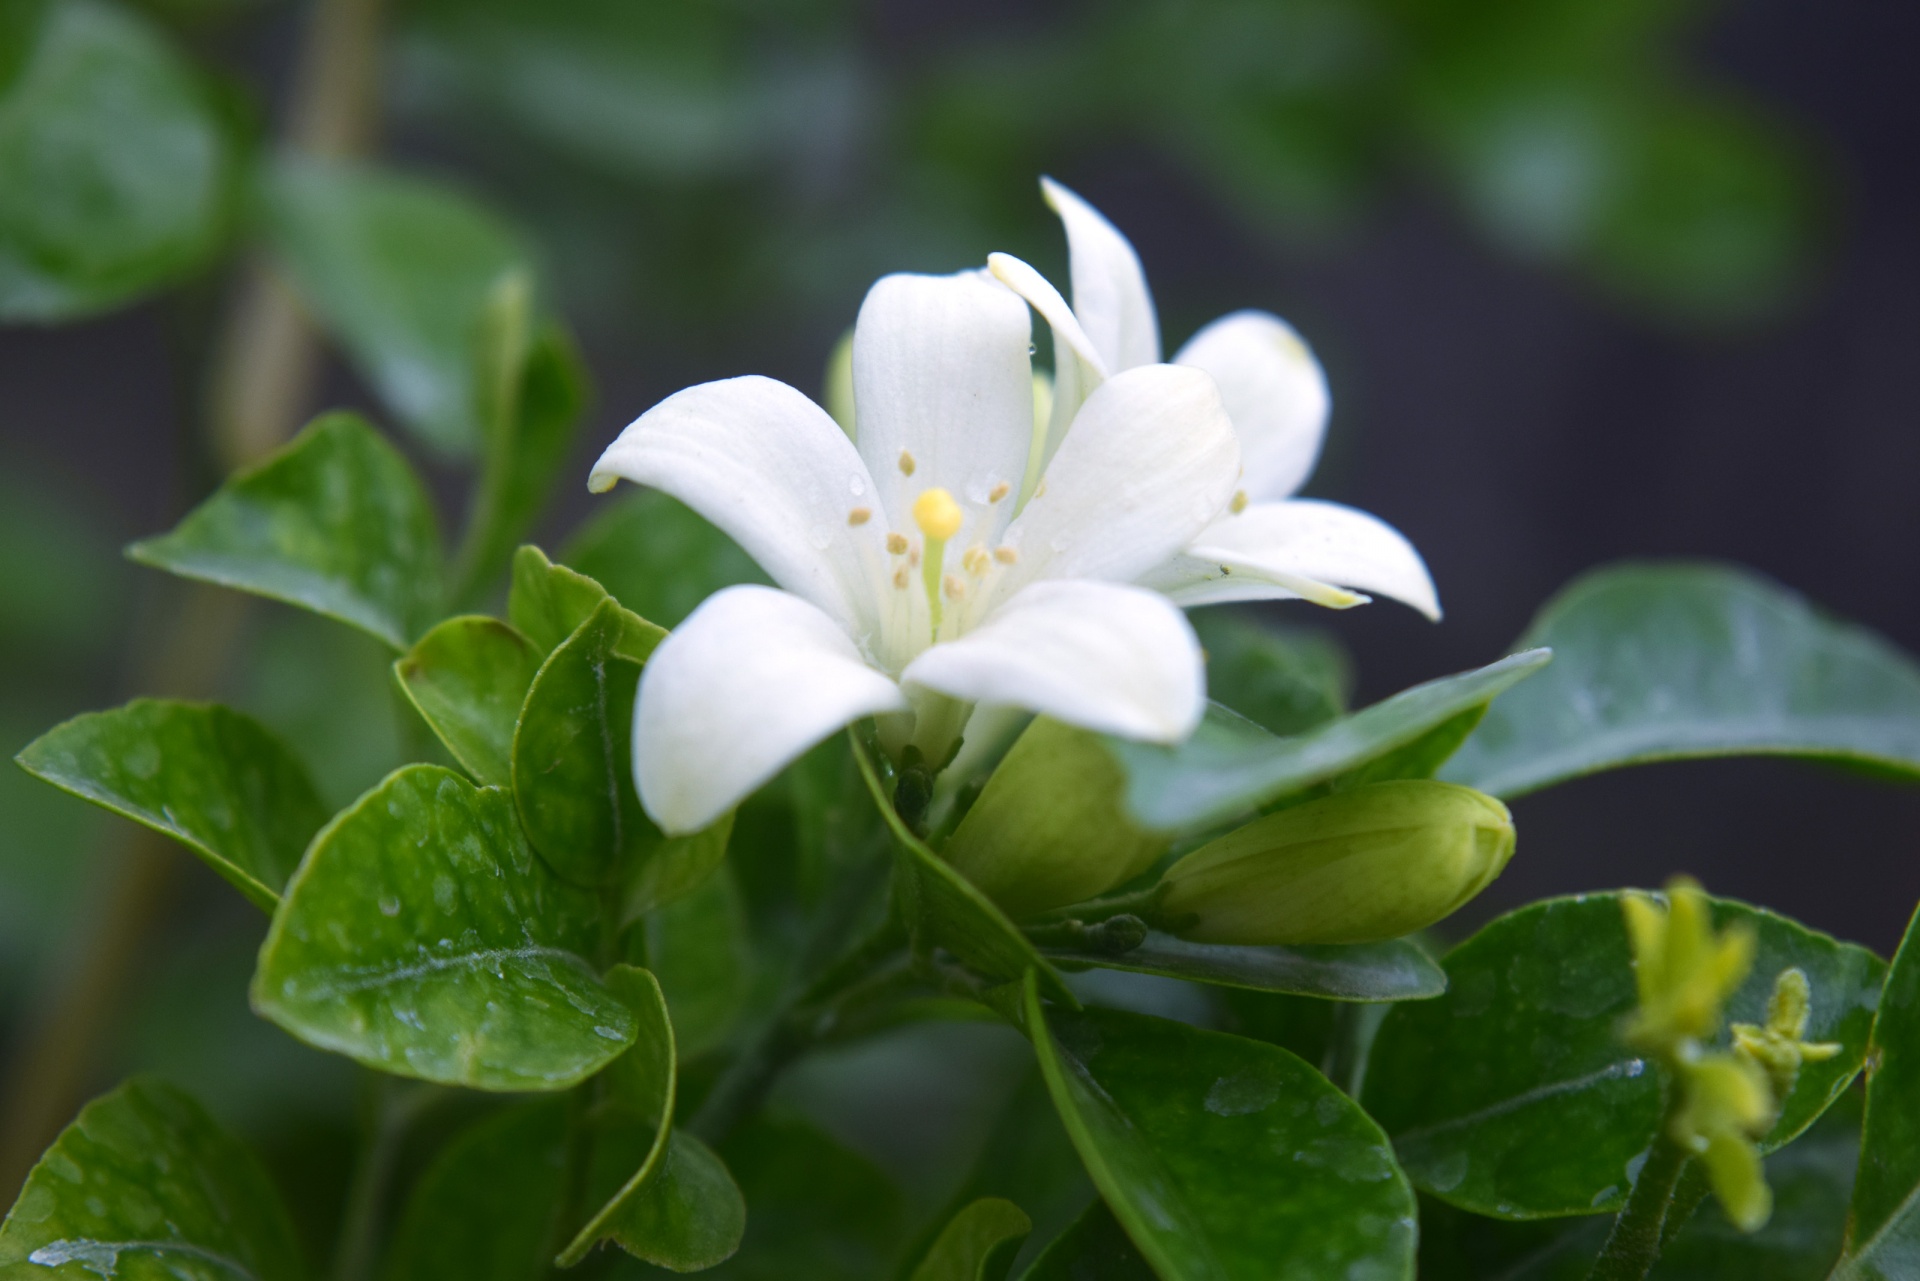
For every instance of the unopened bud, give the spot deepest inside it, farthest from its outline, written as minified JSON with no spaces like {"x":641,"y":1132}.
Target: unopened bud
{"x":1374,"y":863}
{"x":1050,"y":827}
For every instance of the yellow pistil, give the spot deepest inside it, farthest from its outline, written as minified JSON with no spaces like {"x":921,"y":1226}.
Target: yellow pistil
{"x":939,"y":519}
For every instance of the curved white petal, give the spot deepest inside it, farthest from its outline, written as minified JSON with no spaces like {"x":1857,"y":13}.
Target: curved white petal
{"x":943,"y":395}
{"x":1104,"y":656}
{"x":1301,"y":547}
{"x":1109,"y":288}
{"x":752,"y":678}
{"x":1274,"y":392}
{"x":769,"y":467}
{"x":1150,"y":461}
{"x":1078,"y":367}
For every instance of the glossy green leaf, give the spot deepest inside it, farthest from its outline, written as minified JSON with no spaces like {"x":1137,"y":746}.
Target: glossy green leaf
{"x":817,"y":1211}
{"x":1231,"y":766}
{"x":1222,"y":1157}
{"x":944,"y":909}
{"x":1513,"y":1095}
{"x":400,"y":271}
{"x":115,"y":173}
{"x":211,"y":778}
{"x":698,"y":948}
{"x":143,"y":1185}
{"x":1287,"y":680}
{"x":467,"y":678}
{"x":978,"y":1244}
{"x":1393,"y":971}
{"x":658,"y":557}
{"x":548,"y":602}
{"x":335,"y":522}
{"x":1094,"y":1246}
{"x":423,"y":937}
{"x":573,"y":757}
{"x":1883,"y":1230}
{"x":484,"y":1209}
{"x":677,"y":866}
{"x":1664,"y":662}
{"x":533,"y":387}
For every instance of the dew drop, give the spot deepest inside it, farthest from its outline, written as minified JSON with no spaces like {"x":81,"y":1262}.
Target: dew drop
{"x":857,"y":485}
{"x":389,"y":905}
{"x":821,"y":537}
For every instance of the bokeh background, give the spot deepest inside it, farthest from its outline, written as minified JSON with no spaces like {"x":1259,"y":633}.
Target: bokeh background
{"x":1591,"y":281}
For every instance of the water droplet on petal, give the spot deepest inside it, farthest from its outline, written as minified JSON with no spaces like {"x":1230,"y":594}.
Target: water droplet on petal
{"x":857,"y":485}
{"x":821,"y":537}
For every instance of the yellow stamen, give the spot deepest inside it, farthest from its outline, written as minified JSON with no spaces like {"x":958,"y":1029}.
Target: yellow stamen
{"x":976,"y":561}
{"x":1005,"y":555}
{"x":906,"y":463}
{"x":1239,"y":503}
{"x":998,"y":492}
{"x":897,"y":544}
{"x":955,"y":588}
{"x":859,"y":515}
{"x":900,"y":577}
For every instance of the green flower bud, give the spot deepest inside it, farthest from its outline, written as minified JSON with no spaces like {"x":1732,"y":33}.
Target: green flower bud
{"x":1051,"y":826}
{"x":1374,"y":863}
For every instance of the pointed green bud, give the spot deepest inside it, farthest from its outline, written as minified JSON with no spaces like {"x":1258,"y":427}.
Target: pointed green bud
{"x":1373,"y":863}
{"x":1725,"y":1103}
{"x":1777,"y":1047}
{"x":1051,"y":826}
{"x":1684,"y":970}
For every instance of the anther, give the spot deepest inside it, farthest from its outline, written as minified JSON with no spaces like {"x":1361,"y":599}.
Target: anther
{"x":900,"y":577}
{"x":954,"y":587}
{"x":1239,"y":503}
{"x":976,"y":561}
{"x":906,"y":463}
{"x":998,"y":492}
{"x":897,"y":544}
{"x":1039,"y":492}
{"x":1005,"y":555}
{"x":859,"y":515}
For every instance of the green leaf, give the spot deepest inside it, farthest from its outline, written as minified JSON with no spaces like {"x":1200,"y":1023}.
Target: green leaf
{"x":400,"y":271}
{"x":217,"y":781}
{"x":115,"y":174}
{"x":468,"y":678}
{"x":1666,"y":662}
{"x":548,"y":602}
{"x":676,"y":867}
{"x":978,"y":1244}
{"x":533,"y":392}
{"x":484,"y":1210}
{"x":697,"y":947}
{"x":1393,"y":971}
{"x":1231,"y":766}
{"x":1883,"y":1229}
{"x":422,"y":937}
{"x":1286,"y":680}
{"x":1513,"y":1095}
{"x":1095,"y":1246}
{"x":819,"y":1211}
{"x":335,"y":522}
{"x":145,"y":1184}
{"x":658,"y":557}
{"x":1222,"y":1157}
{"x":944,"y":909}
{"x":21,"y":22}
{"x":573,"y":757}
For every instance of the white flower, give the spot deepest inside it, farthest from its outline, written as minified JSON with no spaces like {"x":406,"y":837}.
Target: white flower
{"x":934,"y":563}
{"x":1266,"y":545}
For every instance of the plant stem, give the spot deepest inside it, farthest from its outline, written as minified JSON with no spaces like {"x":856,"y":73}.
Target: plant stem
{"x":1633,"y":1247}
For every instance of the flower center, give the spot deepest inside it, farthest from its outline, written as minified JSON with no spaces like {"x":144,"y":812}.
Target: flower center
{"x":939,"y":519}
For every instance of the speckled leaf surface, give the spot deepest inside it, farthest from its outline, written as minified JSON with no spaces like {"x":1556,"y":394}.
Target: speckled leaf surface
{"x":1513,"y":1095}
{"x":1224,"y":1158}
{"x":215,"y":780}
{"x":336,"y":522}
{"x":422,"y":936}
{"x":548,"y":602}
{"x":1660,"y":662}
{"x":1232,"y":766}
{"x":467,"y":678}
{"x":977,"y":1244}
{"x":1883,"y":1237}
{"x":1392,"y":971}
{"x":144,"y":1186}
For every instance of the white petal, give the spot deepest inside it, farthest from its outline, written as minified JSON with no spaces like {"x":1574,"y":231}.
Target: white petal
{"x":752,"y":678}
{"x":1274,"y":392}
{"x":943,"y":391}
{"x":1299,"y":548}
{"x":1109,"y":289}
{"x":771,"y":469}
{"x":1150,"y":461}
{"x":1107,"y":657}
{"x":1078,"y":367}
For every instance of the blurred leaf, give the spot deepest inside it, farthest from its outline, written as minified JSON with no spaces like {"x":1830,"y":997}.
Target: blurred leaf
{"x":1094,"y":1246}
{"x":1285,"y":680}
{"x":400,"y":271}
{"x":1223,"y":1157}
{"x":422,"y":937}
{"x":335,"y":522}
{"x":978,"y":1244}
{"x":1662,"y":662}
{"x":698,"y":948}
{"x":1883,"y":1227}
{"x":818,"y":1212}
{"x":548,"y":603}
{"x":21,"y":22}
{"x":468,"y":678}
{"x":213,"y":779}
{"x":658,"y":557}
{"x":143,"y":1174}
{"x":1231,"y":766}
{"x":115,"y":176}
{"x":60,"y":573}
{"x":1393,"y":971}
{"x":676,"y":867}
{"x":1513,"y":1095}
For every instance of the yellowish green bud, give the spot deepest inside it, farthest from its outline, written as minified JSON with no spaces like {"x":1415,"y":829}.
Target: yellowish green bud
{"x":1684,"y":970}
{"x":1374,"y":863}
{"x":1777,"y":1047}
{"x":1051,"y":827}
{"x":1726,"y":1102}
